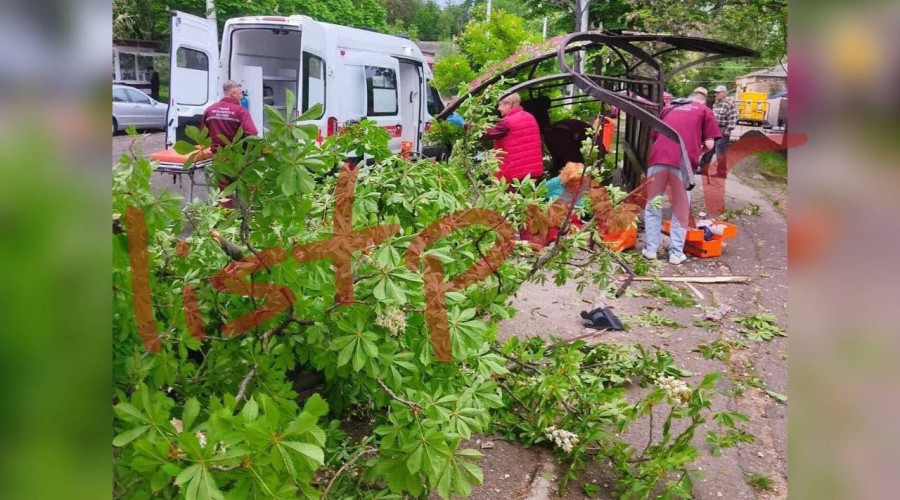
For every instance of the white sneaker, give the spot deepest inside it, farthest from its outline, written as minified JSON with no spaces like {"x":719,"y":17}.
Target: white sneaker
{"x":677,"y":260}
{"x":648,"y":255}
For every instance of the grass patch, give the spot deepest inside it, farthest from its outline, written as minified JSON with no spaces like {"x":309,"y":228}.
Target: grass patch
{"x":759,"y":482}
{"x":772,"y":165}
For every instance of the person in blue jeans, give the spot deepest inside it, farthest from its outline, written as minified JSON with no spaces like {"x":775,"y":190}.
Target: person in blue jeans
{"x":697,"y":126}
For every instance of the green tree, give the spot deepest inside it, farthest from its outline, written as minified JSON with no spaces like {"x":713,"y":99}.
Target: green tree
{"x":481,"y":44}
{"x":150,"y":19}
{"x":401,"y":11}
{"x":427,"y":23}
{"x":453,"y":21}
{"x":487,"y":42}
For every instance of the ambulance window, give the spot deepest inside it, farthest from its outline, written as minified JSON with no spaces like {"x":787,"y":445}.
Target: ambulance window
{"x":193,"y":76}
{"x":381,"y":90}
{"x":354,"y":94}
{"x":435,"y":105}
{"x":313,"y":82}
{"x":191,"y":59}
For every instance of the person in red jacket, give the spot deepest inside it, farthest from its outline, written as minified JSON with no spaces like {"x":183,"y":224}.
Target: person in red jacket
{"x":226,"y":117}
{"x":518,"y":136}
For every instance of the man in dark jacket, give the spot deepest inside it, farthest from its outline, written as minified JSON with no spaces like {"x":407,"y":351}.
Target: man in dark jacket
{"x":518,"y":136}
{"x":154,"y":83}
{"x":226,"y":117}
{"x":696,"y":125}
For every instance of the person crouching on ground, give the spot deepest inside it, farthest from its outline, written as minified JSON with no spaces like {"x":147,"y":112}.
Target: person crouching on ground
{"x":569,"y":186}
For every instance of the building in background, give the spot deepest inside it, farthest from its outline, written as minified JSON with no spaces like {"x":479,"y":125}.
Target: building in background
{"x":433,"y":51}
{"x":132,"y":60}
{"x":768,"y":81}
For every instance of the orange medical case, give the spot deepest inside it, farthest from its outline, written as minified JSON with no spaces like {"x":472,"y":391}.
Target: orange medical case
{"x":695,"y":245}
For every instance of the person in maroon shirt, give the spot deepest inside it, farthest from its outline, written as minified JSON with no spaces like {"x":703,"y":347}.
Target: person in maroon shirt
{"x":224,"y":119}
{"x":697,"y":126}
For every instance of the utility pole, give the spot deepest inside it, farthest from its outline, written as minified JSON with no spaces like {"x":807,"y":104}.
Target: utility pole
{"x":211,"y":9}
{"x":581,"y":24}
{"x":488,"y":11}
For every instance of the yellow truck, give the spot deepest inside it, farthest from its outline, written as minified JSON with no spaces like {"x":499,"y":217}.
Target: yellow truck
{"x":753,"y":107}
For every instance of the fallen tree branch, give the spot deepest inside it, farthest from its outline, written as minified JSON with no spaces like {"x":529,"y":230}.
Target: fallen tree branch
{"x":362,"y":453}
{"x":413,"y":406}
{"x":694,"y":279}
{"x":242,"y":388}
{"x":694,"y":289}
{"x":624,"y":286}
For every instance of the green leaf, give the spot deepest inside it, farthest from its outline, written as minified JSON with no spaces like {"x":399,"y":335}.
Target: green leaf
{"x":316,"y":406}
{"x":414,"y":461}
{"x":250,"y":410}
{"x":359,"y":357}
{"x":193,"y":133}
{"x":191,"y":410}
{"x":184,"y":147}
{"x":306,"y":183}
{"x":781,"y":398}
{"x":290,"y":100}
{"x":310,"y":451}
{"x":287,"y":179}
{"x":129,"y":435}
{"x":129,"y":410}
{"x":171,"y":469}
{"x":379,"y":291}
{"x":347,"y":352}
{"x":187,"y":474}
{"x":312,"y":113}
{"x":709,"y":380}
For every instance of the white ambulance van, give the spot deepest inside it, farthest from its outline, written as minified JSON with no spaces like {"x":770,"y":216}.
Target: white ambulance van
{"x":354,"y":73}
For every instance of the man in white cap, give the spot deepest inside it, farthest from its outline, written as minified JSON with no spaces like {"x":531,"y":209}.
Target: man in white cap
{"x":696,"y":126}
{"x":726,"y":117}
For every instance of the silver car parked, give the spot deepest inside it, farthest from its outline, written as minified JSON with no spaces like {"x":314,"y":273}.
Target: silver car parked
{"x":133,"y":107}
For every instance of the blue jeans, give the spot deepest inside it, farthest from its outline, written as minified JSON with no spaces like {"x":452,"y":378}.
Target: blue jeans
{"x":662,"y":177}
{"x":722,"y":143}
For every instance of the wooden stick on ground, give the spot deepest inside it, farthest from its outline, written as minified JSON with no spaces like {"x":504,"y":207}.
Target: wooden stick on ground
{"x":693,"y":279}
{"x":694,"y":289}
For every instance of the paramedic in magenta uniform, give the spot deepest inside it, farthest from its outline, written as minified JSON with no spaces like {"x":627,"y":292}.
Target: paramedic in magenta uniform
{"x":224,"y":119}
{"x":227,"y":116}
{"x":518,"y":135}
{"x":697,"y":127}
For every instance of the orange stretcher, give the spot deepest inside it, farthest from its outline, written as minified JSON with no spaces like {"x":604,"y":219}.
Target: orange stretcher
{"x":171,"y":162}
{"x":695,"y":245}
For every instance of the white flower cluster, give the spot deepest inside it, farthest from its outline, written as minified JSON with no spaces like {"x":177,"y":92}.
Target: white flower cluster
{"x":562,"y":438}
{"x":220,"y":448}
{"x":678,"y":391}
{"x":201,"y":437}
{"x":394,"y":319}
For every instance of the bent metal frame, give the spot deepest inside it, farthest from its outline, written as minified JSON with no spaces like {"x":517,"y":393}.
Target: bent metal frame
{"x":638,"y":67}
